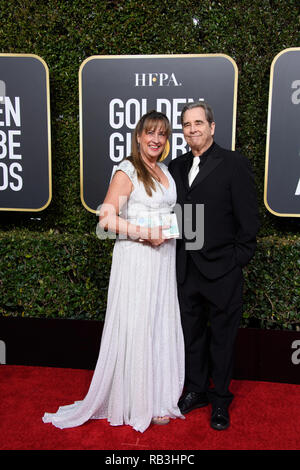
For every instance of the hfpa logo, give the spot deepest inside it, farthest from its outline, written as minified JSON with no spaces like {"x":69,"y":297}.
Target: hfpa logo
{"x":158,"y":79}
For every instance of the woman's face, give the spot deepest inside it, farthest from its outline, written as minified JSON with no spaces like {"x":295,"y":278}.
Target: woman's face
{"x":152,"y":142}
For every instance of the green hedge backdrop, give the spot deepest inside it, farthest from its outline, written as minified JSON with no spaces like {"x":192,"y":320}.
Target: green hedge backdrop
{"x":51,"y":263}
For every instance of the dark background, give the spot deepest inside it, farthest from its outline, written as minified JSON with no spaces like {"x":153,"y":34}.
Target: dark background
{"x":26,"y":77}
{"x":284,"y":137}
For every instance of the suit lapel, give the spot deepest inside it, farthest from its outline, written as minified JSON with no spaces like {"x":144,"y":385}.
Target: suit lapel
{"x":186,"y":163}
{"x":212,"y":162}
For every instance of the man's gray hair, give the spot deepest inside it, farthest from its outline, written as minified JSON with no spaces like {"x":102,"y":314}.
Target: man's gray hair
{"x":199,"y":104}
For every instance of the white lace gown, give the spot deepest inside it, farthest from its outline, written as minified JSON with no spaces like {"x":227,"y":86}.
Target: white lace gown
{"x":140,"y":369}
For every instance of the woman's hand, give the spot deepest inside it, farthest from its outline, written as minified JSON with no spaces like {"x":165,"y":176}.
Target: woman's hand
{"x":154,"y":236}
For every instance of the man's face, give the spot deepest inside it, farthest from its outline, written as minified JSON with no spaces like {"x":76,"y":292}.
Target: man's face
{"x":197,"y":131}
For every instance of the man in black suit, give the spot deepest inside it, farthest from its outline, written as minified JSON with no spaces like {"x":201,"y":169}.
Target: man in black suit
{"x":209,"y":274}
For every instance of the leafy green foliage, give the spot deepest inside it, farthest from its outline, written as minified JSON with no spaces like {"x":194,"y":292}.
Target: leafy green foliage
{"x":272,"y":285}
{"x":53,"y":275}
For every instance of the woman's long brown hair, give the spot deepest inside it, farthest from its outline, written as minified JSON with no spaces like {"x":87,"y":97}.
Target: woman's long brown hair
{"x":149,"y":121}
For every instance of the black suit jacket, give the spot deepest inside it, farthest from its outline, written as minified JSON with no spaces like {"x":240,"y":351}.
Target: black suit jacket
{"x":225,"y":186}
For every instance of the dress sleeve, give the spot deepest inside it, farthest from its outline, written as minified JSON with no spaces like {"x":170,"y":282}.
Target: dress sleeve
{"x":127,"y":167}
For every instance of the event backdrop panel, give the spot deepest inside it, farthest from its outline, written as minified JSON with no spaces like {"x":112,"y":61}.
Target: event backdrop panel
{"x":282,"y":175}
{"x":25,"y":148}
{"x":115,"y":91}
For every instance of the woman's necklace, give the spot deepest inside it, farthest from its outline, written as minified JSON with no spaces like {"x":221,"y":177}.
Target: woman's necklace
{"x":152,"y":170}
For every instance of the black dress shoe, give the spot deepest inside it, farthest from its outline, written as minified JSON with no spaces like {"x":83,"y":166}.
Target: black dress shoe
{"x":220,"y":419}
{"x":192,"y":400}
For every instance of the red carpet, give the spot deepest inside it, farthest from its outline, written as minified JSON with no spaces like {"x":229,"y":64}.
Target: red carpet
{"x":264,"y":416}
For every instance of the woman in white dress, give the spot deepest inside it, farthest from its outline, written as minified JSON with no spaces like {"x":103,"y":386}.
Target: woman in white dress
{"x":139,"y":374}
